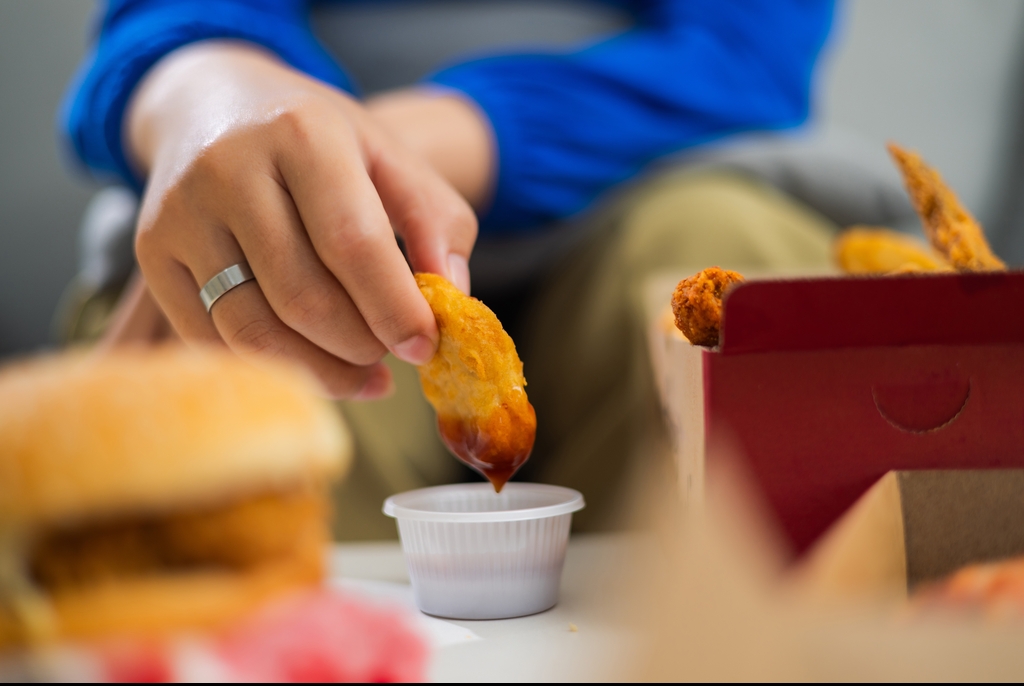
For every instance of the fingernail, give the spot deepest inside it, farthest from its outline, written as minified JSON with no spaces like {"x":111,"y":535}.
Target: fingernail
{"x":458,"y":272}
{"x":416,"y":350}
{"x":377,"y":386}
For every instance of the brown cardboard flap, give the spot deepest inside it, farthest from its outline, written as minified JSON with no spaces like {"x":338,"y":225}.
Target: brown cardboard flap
{"x":863,"y":553}
{"x":955,"y":518}
{"x":917,"y":526}
{"x":687,"y":393}
{"x":678,"y":370}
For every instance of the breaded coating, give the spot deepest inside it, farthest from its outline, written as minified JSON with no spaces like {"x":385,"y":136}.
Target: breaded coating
{"x":667,"y":323}
{"x":475,"y":383}
{"x":697,"y":304}
{"x":877,"y":250}
{"x":949,"y":227}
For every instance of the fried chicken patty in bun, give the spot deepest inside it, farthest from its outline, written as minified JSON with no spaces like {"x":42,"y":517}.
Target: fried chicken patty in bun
{"x":152,"y":491}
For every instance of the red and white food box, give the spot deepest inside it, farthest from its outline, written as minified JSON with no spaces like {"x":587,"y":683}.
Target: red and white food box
{"x":826,"y":384}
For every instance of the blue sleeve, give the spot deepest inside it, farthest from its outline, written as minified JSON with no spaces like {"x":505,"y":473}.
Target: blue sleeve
{"x":570,"y":125}
{"x":134,"y":34}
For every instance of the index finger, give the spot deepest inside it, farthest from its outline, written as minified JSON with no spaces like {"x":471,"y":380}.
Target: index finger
{"x":351,"y":233}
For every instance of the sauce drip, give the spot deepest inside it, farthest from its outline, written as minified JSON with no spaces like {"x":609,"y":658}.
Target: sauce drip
{"x":496,"y":449}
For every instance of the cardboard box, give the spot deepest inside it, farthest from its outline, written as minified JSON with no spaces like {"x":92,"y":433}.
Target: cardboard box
{"x":716,"y":608}
{"x":915,"y":527}
{"x":825,"y":384}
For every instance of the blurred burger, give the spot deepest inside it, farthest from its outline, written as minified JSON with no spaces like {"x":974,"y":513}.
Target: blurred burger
{"x":150,"y":492}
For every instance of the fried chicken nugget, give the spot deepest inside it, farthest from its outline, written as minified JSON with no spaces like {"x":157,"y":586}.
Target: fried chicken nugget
{"x":697,"y":304}
{"x":996,"y":588}
{"x":877,"y":250}
{"x":475,"y":383}
{"x":949,"y":227}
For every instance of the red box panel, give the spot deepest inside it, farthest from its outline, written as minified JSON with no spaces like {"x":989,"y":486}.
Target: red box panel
{"x":827,"y":384}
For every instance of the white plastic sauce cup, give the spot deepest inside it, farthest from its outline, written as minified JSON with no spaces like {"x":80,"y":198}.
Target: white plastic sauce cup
{"x":476,"y":554}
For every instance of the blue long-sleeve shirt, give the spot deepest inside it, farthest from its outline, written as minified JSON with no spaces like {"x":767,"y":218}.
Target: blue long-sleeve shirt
{"x":568,"y":124}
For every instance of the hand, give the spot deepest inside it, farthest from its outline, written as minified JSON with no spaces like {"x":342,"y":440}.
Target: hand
{"x":248,"y":160}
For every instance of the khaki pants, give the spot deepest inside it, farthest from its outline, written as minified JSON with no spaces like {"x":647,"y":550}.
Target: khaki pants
{"x":584,"y":351}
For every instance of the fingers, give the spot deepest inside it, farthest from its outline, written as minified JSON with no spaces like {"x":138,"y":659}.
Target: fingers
{"x":249,"y":326}
{"x":242,"y":318}
{"x":351,"y":233}
{"x":437,"y":224}
{"x":303,"y":293}
{"x":175,"y":291}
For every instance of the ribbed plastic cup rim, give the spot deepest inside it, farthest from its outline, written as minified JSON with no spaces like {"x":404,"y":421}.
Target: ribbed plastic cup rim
{"x":401,"y":506}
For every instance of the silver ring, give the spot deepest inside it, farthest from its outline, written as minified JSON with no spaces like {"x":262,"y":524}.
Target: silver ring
{"x":235,"y":275}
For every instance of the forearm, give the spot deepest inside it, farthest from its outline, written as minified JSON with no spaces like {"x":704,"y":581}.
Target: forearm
{"x":569,"y":125}
{"x":135,"y":35}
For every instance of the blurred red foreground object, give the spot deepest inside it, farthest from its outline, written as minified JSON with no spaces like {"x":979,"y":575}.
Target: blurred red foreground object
{"x":325,"y":636}
{"x":134,"y":662}
{"x":322,"y":636}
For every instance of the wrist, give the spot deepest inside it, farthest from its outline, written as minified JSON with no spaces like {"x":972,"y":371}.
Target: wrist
{"x":448,"y":131}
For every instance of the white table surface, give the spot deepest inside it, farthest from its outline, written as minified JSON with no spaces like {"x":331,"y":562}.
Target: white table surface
{"x":541,"y":647}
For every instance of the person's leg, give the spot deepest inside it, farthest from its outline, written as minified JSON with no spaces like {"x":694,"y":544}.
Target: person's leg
{"x":583,"y":347}
{"x":397,"y":449}
{"x":585,"y":351}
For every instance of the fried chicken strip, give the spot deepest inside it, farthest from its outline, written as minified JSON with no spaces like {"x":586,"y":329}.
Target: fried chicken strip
{"x":877,"y":250}
{"x":475,"y":383}
{"x":949,"y":226}
{"x":996,"y":587}
{"x":697,"y":304}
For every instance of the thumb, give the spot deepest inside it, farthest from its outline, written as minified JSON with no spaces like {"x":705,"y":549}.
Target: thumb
{"x":438,"y":226}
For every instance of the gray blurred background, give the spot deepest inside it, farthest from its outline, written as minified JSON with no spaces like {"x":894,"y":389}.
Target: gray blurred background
{"x":942,"y":76}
